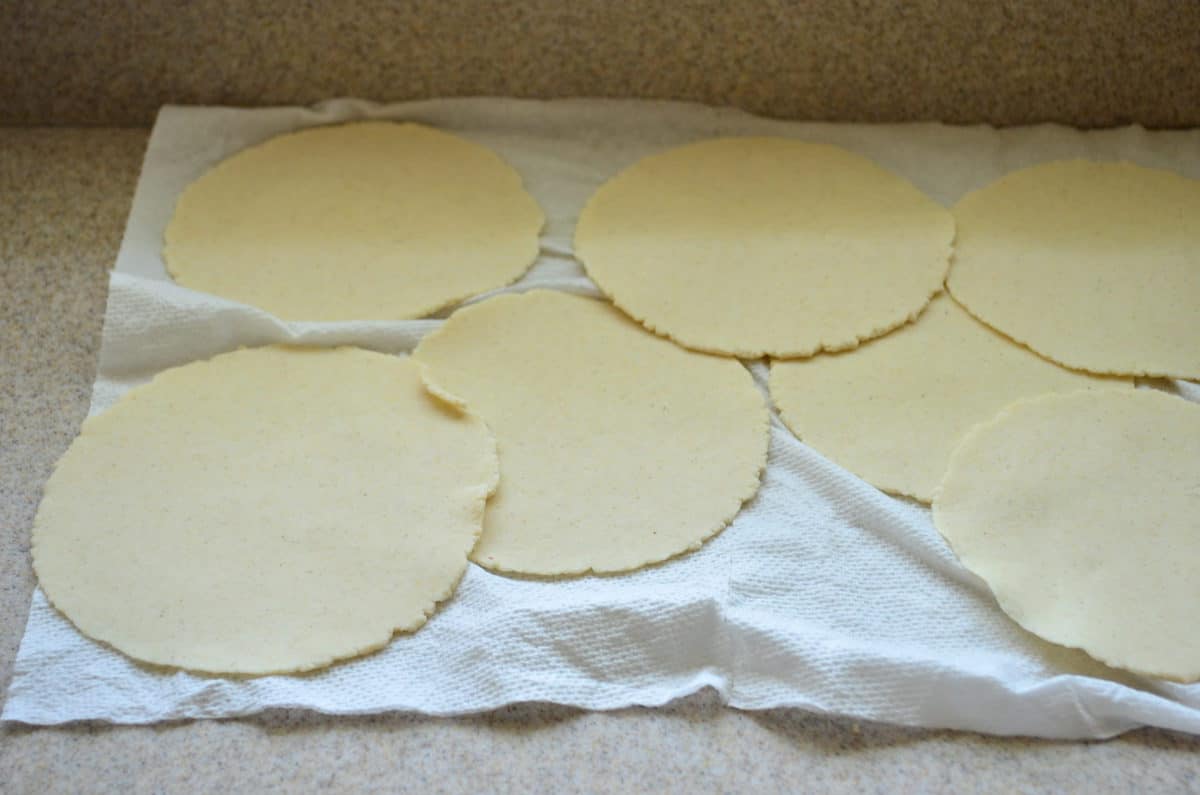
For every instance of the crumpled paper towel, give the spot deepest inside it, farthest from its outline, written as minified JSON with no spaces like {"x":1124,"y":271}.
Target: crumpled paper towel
{"x":823,"y":594}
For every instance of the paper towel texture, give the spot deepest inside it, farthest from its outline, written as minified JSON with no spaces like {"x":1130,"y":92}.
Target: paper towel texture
{"x":823,"y":594}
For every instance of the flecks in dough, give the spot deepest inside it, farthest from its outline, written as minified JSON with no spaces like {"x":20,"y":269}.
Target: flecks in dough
{"x":1080,"y":511}
{"x":764,"y":246}
{"x":617,"y":448}
{"x":892,"y":410}
{"x":1094,"y":265}
{"x":269,"y":510}
{"x":365,"y":221}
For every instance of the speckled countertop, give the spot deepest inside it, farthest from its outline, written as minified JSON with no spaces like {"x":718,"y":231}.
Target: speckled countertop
{"x":1001,"y":62}
{"x":64,"y":195}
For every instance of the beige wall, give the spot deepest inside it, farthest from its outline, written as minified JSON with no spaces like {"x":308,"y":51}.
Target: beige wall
{"x":1094,"y":63}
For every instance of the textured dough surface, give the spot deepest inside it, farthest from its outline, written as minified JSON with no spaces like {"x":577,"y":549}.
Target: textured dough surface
{"x":618,"y":448}
{"x":364,"y":221}
{"x":1082,"y":512}
{"x":893,"y":410}
{"x":1094,"y":265}
{"x":764,"y":246}
{"x":268,"y":510}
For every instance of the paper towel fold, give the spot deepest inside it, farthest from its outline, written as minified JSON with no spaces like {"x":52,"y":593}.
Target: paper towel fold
{"x":823,"y":594}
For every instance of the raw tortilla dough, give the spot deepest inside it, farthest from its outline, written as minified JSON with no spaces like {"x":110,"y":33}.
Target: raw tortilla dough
{"x":618,"y":448}
{"x":1095,"y":265}
{"x":764,"y":246}
{"x":366,"y":221}
{"x":269,"y":510}
{"x":893,"y":410}
{"x":1081,"y":513}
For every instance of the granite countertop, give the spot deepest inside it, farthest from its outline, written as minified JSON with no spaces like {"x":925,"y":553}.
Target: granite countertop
{"x":958,"y":61}
{"x":66,"y":193}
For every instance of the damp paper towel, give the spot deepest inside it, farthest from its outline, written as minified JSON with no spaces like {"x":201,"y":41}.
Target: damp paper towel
{"x":823,"y":594}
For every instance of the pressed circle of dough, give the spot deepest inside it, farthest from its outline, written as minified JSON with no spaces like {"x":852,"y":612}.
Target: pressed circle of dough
{"x":1095,"y":265}
{"x":764,"y":246}
{"x":892,"y":410}
{"x":364,"y":221}
{"x":617,"y":448}
{"x":1080,"y":511}
{"x":268,"y":510}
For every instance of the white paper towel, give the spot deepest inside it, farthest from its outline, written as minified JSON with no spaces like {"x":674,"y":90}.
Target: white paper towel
{"x":823,"y":594}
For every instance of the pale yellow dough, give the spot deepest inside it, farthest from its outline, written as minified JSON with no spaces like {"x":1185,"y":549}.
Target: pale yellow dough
{"x":1082,"y":512}
{"x":892,"y":411}
{"x":764,"y":246}
{"x":618,"y":449}
{"x":365,"y":221}
{"x":1095,"y":265}
{"x":268,"y":510}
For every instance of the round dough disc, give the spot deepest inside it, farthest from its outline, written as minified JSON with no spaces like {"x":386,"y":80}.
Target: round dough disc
{"x":618,"y":448}
{"x":366,"y":221}
{"x":1094,"y":265}
{"x":1080,"y":512}
{"x":893,"y":410}
{"x":764,"y":246}
{"x":269,"y":510}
